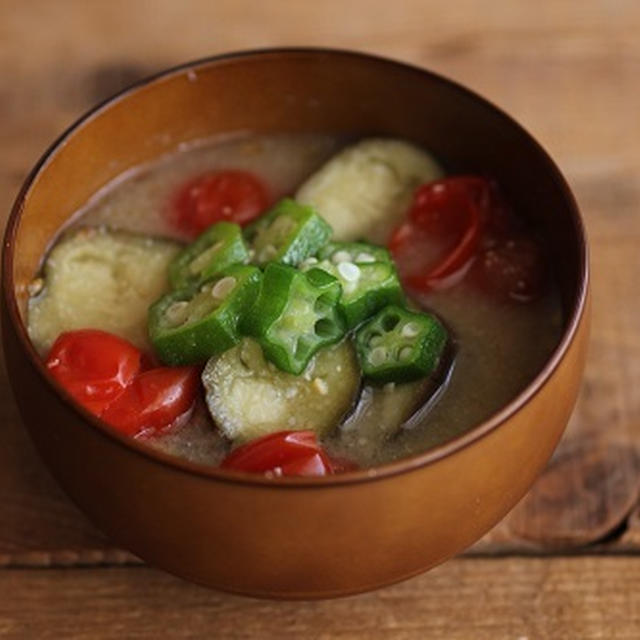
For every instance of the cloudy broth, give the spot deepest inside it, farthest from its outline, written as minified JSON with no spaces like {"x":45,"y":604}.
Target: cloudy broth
{"x":499,"y":345}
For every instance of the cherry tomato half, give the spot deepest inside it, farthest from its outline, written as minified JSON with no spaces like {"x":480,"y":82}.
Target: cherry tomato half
{"x":513,"y":268}
{"x":286,"y":453}
{"x":230,"y":195}
{"x":155,"y":400}
{"x":434,"y":246}
{"x":94,"y":366}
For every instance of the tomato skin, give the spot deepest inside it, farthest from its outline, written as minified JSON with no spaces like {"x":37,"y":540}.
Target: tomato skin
{"x":285,"y":453}
{"x":154,"y":400}
{"x":514,"y":268}
{"x":94,"y":366}
{"x":452,"y":211}
{"x":230,"y":195}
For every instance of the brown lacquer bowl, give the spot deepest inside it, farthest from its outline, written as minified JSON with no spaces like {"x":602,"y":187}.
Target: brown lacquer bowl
{"x":295,"y":537}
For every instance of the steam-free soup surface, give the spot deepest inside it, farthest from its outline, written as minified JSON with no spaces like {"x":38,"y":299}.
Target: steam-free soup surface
{"x":499,"y":345}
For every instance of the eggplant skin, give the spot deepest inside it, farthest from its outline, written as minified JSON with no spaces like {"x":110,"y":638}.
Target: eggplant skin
{"x":364,"y":191}
{"x":249,"y":397}
{"x":100,"y":279}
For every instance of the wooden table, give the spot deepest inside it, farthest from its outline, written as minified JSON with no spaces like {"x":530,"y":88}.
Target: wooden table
{"x":565,"y":563}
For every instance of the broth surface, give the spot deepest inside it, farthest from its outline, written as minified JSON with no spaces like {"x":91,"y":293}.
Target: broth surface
{"x":500,"y":346}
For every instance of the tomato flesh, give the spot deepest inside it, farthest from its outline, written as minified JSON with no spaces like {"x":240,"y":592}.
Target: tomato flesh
{"x":154,"y":401}
{"x":230,"y":195}
{"x":450,"y":214}
{"x":286,"y":453}
{"x":513,"y":268}
{"x":94,"y":366}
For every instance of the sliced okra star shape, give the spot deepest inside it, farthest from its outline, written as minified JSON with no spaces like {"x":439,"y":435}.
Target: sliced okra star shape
{"x":397,"y":345}
{"x":367,"y":275}
{"x":217,"y":248}
{"x":192,"y":324}
{"x":295,"y":315}
{"x":288,"y":233}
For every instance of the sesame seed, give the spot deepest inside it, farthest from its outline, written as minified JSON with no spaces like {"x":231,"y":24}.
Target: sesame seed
{"x":340,"y":256}
{"x":321,"y":386}
{"x":309,"y":262}
{"x":349,"y":271}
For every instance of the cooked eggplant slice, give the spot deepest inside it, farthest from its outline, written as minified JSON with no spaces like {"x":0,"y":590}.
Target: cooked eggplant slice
{"x":249,"y":397}
{"x":364,"y":190}
{"x":385,"y":411}
{"x":100,"y":279}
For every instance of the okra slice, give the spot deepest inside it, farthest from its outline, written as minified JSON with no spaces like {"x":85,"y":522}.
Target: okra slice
{"x":217,"y":248}
{"x":288,"y":233}
{"x":366,"y":287}
{"x":295,"y":315}
{"x":358,"y":252}
{"x":192,"y":324}
{"x":397,"y":345}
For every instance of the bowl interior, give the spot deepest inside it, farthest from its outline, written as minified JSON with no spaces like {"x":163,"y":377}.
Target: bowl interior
{"x":289,"y":91}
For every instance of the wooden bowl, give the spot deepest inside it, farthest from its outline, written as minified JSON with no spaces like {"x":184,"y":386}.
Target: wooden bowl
{"x":295,"y":537}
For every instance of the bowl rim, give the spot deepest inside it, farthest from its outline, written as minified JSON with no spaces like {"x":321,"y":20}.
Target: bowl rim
{"x":396,"y":467}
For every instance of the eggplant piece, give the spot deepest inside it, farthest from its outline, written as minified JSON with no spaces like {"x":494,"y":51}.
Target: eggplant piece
{"x":364,"y":191}
{"x":249,"y":397}
{"x":100,"y":279}
{"x":384,"y":412}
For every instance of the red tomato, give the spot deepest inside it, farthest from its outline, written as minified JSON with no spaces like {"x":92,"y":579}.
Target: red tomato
{"x":435,"y":245}
{"x":93,"y":366}
{"x":155,"y":400}
{"x":514,"y":268}
{"x":285,"y":453}
{"x":230,"y":195}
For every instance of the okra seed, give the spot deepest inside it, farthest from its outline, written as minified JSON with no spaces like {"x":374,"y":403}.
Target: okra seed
{"x":177,"y":312}
{"x":405,"y":353}
{"x":365,"y":257}
{"x":375,"y":340}
{"x":349,"y":271}
{"x":378,"y":356}
{"x":202,"y":260}
{"x":223,"y":287}
{"x":309,"y":262}
{"x":410,"y":330}
{"x":340,"y":256}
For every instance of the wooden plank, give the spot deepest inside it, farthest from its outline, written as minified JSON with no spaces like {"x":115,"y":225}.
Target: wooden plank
{"x":570,"y":76}
{"x":494,"y":599}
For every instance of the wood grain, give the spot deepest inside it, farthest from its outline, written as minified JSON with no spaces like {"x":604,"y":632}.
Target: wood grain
{"x":569,"y":75}
{"x":514,"y":599}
